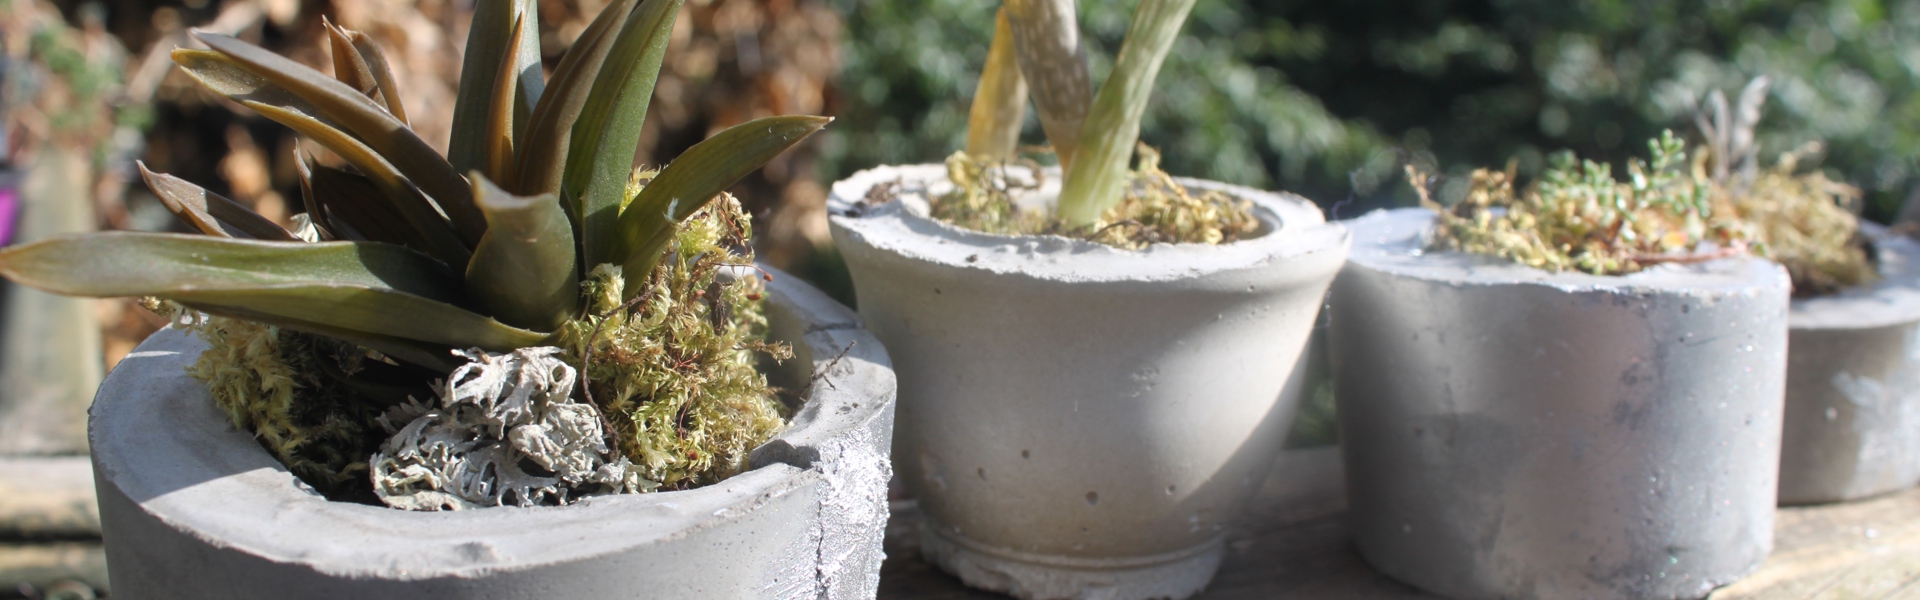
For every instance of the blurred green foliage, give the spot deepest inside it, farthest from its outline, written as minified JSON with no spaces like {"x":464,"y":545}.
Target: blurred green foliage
{"x":1327,"y":98}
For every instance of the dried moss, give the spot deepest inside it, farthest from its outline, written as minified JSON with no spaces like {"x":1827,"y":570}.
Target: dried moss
{"x":674,"y":371}
{"x":1578,"y":217}
{"x":1156,"y":209}
{"x":272,"y":382}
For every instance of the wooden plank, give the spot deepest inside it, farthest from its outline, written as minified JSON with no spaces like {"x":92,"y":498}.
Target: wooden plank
{"x":40,"y":566}
{"x":50,"y":360}
{"x":47,"y":497}
{"x":1294,"y":544}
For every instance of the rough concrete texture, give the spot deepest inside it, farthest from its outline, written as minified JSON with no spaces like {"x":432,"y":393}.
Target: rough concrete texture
{"x":1078,"y":421}
{"x":193,"y":508}
{"x":1853,"y":384}
{"x":1514,"y":433}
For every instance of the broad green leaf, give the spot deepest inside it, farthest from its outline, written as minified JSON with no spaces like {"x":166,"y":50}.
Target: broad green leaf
{"x":503,"y":31}
{"x":543,"y":148}
{"x":1097,"y":179}
{"x":338,"y":104}
{"x":693,"y":179}
{"x":523,"y":271}
{"x":382,"y":74}
{"x":999,"y":102}
{"x":600,"y":151}
{"x":211,"y":213}
{"x":368,"y":287}
{"x":433,"y":356}
{"x":431,"y":232}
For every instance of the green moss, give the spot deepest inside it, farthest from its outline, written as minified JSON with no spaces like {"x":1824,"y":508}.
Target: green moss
{"x":675,"y":372}
{"x":1577,"y":217}
{"x":1156,"y":209}
{"x":273,"y":383}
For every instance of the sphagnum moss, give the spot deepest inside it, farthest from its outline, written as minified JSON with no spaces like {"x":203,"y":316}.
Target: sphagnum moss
{"x":1154,"y":209}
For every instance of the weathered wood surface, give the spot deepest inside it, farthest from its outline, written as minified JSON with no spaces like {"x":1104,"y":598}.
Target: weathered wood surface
{"x":50,"y":359}
{"x":1294,"y":545}
{"x":43,"y":497}
{"x":50,"y":565}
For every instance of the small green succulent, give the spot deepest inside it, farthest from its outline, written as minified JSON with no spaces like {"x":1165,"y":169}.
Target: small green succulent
{"x":410,"y":253}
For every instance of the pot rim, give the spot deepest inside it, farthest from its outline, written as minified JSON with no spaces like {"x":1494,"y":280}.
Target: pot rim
{"x":201,"y":476}
{"x":1893,"y":300}
{"x":1393,"y":240}
{"x":1294,"y":227}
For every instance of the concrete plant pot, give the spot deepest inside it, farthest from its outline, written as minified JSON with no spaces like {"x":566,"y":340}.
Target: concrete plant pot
{"x":1515,"y":433}
{"x":1853,"y":384}
{"x":1078,"y":421}
{"x":193,"y":508}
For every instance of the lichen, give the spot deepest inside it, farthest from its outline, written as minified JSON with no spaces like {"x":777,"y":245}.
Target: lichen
{"x":1156,"y":209}
{"x":505,"y":430}
{"x":674,"y":368}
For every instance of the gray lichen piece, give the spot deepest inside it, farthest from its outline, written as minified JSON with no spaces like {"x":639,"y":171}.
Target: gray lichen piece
{"x":504,"y":431}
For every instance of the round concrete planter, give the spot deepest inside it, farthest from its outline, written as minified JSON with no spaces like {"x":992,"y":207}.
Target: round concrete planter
{"x":1853,"y":385}
{"x":1514,"y":433}
{"x":1078,"y":421}
{"x":193,"y":508}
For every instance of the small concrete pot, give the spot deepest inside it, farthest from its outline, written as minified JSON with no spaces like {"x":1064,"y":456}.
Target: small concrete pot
{"x":193,"y":508}
{"x":1079,"y":421}
{"x":1515,"y":433}
{"x":1853,"y":384}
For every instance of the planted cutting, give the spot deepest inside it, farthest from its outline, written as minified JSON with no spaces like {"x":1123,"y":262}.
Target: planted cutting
{"x":525,"y":321}
{"x":1095,"y":362}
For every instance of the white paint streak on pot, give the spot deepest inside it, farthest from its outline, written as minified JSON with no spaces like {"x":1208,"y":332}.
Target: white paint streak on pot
{"x":1078,"y":421}
{"x":1853,"y":384}
{"x":193,"y":508}
{"x":1515,"y":433}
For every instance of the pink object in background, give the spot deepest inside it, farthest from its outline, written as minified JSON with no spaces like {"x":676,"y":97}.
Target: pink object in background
{"x":9,"y":213}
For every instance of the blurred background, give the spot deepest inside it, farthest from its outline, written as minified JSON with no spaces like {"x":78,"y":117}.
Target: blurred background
{"x":1326,"y":99}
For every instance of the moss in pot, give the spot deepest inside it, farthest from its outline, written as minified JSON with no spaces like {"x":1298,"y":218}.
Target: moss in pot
{"x":1096,"y":363}
{"x":526,"y":322}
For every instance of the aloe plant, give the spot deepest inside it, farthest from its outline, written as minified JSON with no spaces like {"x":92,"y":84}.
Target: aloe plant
{"x":1092,"y":133}
{"x":410,"y":253}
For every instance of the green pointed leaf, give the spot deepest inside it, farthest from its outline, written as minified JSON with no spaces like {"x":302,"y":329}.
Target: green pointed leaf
{"x":348,"y":66}
{"x":432,"y":233}
{"x":694,"y":179}
{"x":1097,"y":179}
{"x":523,"y":272}
{"x":336,"y":103}
{"x":497,"y":156}
{"x":433,"y":356}
{"x":999,"y":101}
{"x":543,"y":148}
{"x":600,"y":151}
{"x":373,"y":288}
{"x":493,"y":39}
{"x":211,"y":213}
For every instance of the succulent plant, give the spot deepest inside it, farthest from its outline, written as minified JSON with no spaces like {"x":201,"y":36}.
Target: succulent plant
{"x":410,"y":253}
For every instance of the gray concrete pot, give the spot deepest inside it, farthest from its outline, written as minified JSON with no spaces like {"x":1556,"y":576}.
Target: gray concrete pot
{"x":1514,"y":433}
{"x":1853,"y":385}
{"x":193,"y":508}
{"x":1078,"y":421}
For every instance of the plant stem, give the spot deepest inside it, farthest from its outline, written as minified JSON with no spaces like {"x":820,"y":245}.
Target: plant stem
{"x":1000,"y":102}
{"x":1046,"y":35}
{"x":1097,"y":179}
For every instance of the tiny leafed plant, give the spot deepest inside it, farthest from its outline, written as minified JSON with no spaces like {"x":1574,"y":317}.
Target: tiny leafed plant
{"x":1036,"y":45}
{"x":426,"y":323}
{"x":1711,"y":202}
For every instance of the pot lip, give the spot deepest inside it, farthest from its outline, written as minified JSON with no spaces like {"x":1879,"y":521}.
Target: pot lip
{"x":1295,"y":228}
{"x":1893,"y":300}
{"x":203,"y":477}
{"x":1391,"y":241}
